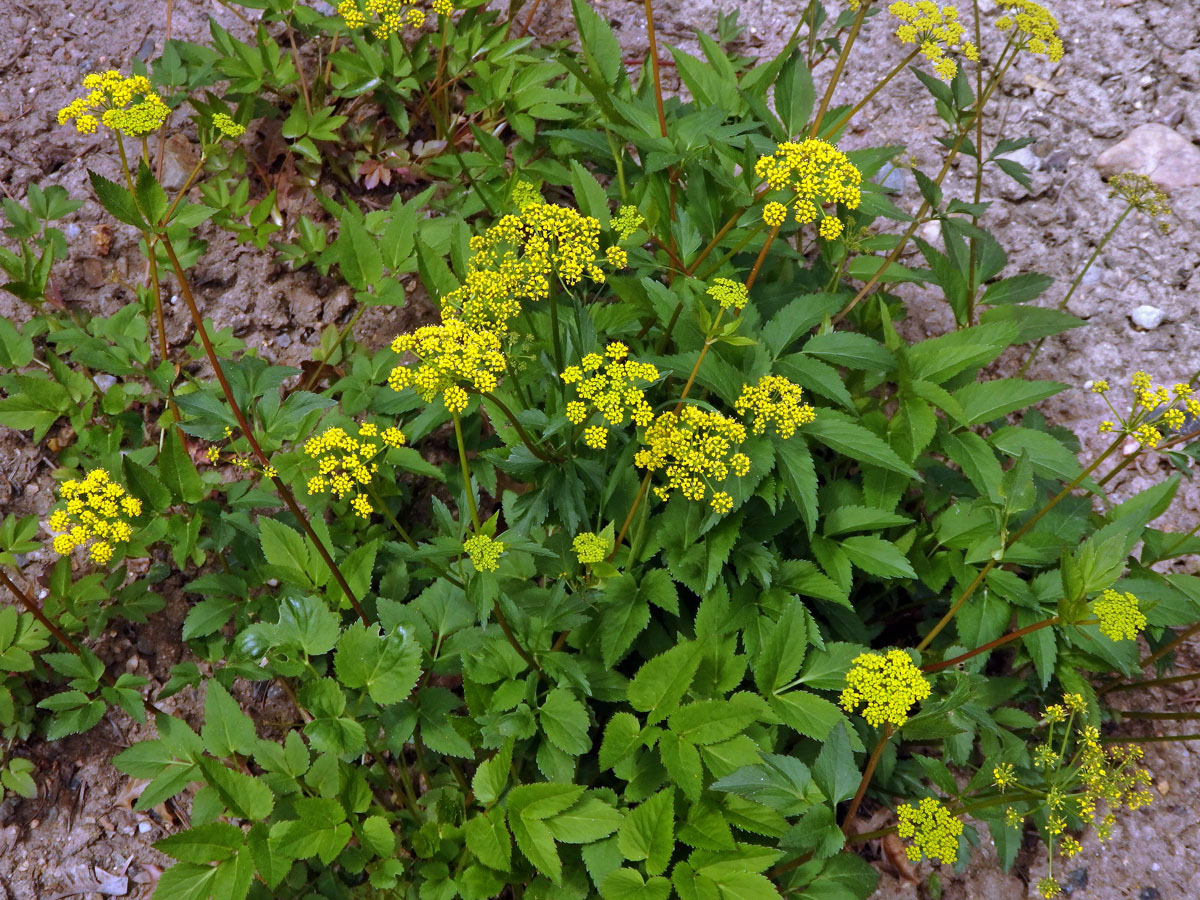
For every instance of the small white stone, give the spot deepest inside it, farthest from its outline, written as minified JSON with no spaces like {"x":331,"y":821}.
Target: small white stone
{"x":1147,"y":317}
{"x":143,"y":827}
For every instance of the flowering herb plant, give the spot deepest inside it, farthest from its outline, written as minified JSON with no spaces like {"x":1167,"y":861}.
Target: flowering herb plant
{"x":652,"y":553}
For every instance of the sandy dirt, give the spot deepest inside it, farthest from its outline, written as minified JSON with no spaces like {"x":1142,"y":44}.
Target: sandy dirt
{"x":1128,"y":62}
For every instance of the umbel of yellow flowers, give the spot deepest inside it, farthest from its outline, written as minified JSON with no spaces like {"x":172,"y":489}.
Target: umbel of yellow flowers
{"x":111,"y":92}
{"x":817,"y":173}
{"x":97,"y":511}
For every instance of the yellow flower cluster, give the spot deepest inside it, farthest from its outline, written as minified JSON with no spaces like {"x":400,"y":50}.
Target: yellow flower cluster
{"x":818,"y":173}
{"x":345,"y":462}
{"x":1140,"y":192}
{"x":227,"y":126}
{"x":1155,"y":406}
{"x":774,"y":213}
{"x":484,"y":552}
{"x":936,"y":31}
{"x":1004,"y":776}
{"x":932,"y":828}
{"x":1036,"y":26}
{"x":111,"y":92}
{"x":98,"y":510}
{"x":1082,"y":773}
{"x":449,"y":355}
{"x":775,"y":401}
{"x":1049,"y":887}
{"x":515,"y":259}
{"x":729,"y":293}
{"x":590,"y":547}
{"x":627,"y":221}
{"x":886,"y":686}
{"x":388,"y":17}
{"x":1119,"y":615}
{"x":612,"y":386}
{"x":524,"y":193}
{"x":696,"y":449}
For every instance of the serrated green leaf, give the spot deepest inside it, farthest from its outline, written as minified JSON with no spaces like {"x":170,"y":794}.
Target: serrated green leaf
{"x":876,"y":556}
{"x":492,"y":775}
{"x":564,"y":719}
{"x":648,"y":832}
{"x":387,"y":666}
{"x":226,"y":730}
{"x":627,"y":884}
{"x":711,"y":721}
{"x":662,"y":681}
{"x":591,"y":819}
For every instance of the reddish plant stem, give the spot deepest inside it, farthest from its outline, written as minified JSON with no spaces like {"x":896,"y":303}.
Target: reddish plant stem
{"x":868,"y":773}
{"x":284,"y":491}
{"x":658,"y":94}
{"x":991,"y":645}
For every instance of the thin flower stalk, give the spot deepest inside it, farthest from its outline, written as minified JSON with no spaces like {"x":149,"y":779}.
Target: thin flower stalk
{"x":839,"y":66}
{"x":1016,"y":536}
{"x":280,"y":485}
{"x":466,"y":470}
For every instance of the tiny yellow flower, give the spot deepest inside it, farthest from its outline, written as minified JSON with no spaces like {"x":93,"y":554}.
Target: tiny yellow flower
{"x":729,"y":293}
{"x":596,"y":437}
{"x":1098,"y":386}
{"x":270,"y":472}
{"x":830,"y":227}
{"x":775,"y":401}
{"x":611,"y":385}
{"x":774,"y":214}
{"x":112,"y":93}
{"x":98,"y":511}
{"x":449,"y":355}
{"x":696,"y":449}
{"x":441,"y":7}
{"x":617,"y":258}
{"x":932,"y":829}
{"x":1003,"y":776}
{"x":887,"y":686}
{"x":816,"y":173}
{"x":213,"y":454}
{"x":590,"y":547}
{"x":627,"y":221}
{"x":1036,"y":28}
{"x":1119,"y":615}
{"x":227,"y":126}
{"x":1048,"y":887}
{"x":484,"y":552}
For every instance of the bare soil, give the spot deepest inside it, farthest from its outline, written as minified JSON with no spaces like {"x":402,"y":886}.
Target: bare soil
{"x":1128,"y":62}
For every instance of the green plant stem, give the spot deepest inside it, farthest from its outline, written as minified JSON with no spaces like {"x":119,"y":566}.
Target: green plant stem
{"x":61,"y":636}
{"x":284,"y":491}
{"x":868,"y":774}
{"x":387,"y":513}
{"x":1164,"y":716}
{"x":36,"y":611}
{"x":637,"y":500}
{"x":555,"y":339}
{"x":971,"y":285}
{"x":1074,"y":284}
{"x":401,"y":786}
{"x":980,"y":102}
{"x":502,"y":621}
{"x":466,"y":471}
{"x":991,"y":645}
{"x":315,"y":374}
{"x":533,"y":448}
{"x":1148,"y":739}
{"x":296,"y":64}
{"x":443,"y":132}
{"x":839,"y":67}
{"x":870,"y":95}
{"x":1150,"y":682}
{"x":709,"y":340}
{"x":1020,"y":533}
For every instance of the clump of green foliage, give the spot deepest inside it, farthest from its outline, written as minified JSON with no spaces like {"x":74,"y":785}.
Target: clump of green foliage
{"x":657,"y":550}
